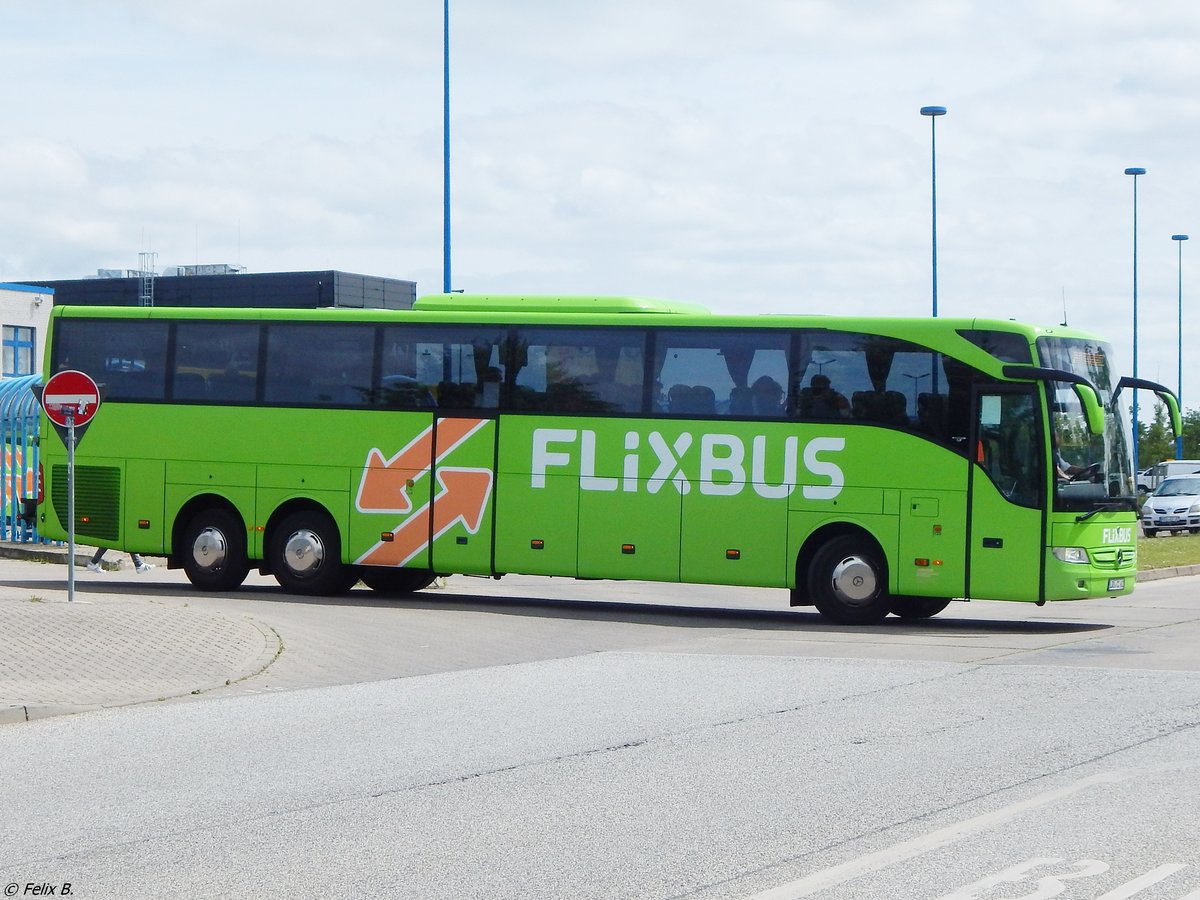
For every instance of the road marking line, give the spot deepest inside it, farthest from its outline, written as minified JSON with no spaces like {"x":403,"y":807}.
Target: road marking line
{"x":848,"y":871}
{"x":1154,"y":876}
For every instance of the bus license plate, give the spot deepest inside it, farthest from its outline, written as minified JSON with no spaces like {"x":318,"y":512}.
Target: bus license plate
{"x":1116,"y":584}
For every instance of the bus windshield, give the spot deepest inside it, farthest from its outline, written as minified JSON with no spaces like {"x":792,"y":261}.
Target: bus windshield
{"x":1092,"y":470}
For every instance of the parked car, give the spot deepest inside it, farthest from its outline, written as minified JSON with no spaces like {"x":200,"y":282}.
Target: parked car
{"x":1174,"y":506}
{"x":1149,"y":479}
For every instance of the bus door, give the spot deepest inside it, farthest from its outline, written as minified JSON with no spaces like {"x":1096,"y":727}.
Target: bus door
{"x":462,"y":488}
{"x":1006,"y":494}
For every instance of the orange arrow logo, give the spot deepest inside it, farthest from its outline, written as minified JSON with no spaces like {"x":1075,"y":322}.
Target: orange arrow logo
{"x":385,"y":482}
{"x":463,"y":498}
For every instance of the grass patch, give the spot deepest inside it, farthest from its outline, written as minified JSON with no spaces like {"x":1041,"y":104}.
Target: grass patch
{"x":1163,"y":552}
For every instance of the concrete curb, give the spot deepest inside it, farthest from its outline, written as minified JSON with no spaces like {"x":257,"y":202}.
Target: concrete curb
{"x":1168,"y":572}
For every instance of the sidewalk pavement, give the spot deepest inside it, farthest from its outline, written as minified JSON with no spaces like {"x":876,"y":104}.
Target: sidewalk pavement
{"x":111,"y":650}
{"x":119,"y":649}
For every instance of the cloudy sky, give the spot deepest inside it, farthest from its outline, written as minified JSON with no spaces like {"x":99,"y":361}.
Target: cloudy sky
{"x":762,"y":156}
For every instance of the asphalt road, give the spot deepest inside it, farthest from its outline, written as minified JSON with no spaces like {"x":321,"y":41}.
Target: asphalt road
{"x":538,"y":739}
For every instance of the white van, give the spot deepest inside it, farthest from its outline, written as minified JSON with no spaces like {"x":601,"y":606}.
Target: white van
{"x":1149,"y":479}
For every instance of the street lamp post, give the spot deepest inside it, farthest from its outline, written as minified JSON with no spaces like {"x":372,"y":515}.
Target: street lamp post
{"x":1179,"y":239}
{"x":1135,"y":171}
{"x":446,"y":146}
{"x":933,"y":112}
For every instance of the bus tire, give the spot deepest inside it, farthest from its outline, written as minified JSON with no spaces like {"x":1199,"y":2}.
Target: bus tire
{"x":918,"y":607}
{"x":306,"y":555}
{"x":395,"y":582}
{"x":847,"y":581}
{"x":213,"y":550}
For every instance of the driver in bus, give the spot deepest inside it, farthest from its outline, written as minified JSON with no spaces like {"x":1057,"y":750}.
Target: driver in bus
{"x":1063,"y":469}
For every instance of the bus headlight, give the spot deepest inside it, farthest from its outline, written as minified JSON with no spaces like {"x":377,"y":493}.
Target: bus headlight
{"x":1070,"y":554}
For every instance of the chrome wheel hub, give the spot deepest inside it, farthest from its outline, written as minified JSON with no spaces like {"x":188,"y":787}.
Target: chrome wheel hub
{"x":854,"y":580}
{"x":209,"y":550}
{"x":304,"y":552}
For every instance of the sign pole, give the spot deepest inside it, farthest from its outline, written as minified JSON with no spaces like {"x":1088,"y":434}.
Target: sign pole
{"x":70,"y":400}
{"x":70,"y":416}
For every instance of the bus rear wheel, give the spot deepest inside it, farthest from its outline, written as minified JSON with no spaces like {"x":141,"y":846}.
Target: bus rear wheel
{"x":395,"y":582}
{"x":847,"y":581}
{"x":213,"y":551}
{"x":918,"y":607}
{"x":306,"y":556}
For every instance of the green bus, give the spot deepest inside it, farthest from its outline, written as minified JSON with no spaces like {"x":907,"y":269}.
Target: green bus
{"x":868,"y":465}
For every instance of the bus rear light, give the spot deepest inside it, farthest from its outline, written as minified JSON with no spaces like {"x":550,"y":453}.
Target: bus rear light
{"x":41,"y":486}
{"x":733,"y":554}
{"x":85,"y":519}
{"x":387,"y":536}
{"x":629,"y":549}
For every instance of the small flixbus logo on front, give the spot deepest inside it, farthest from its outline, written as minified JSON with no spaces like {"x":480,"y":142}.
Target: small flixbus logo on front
{"x":714,"y":463}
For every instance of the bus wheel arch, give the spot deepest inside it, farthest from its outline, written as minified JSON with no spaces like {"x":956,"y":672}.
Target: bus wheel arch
{"x":303,"y":549}
{"x":842,"y":570}
{"x":209,"y":542}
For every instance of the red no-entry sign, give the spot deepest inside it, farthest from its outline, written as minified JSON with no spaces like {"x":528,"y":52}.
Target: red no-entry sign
{"x":70,"y":393}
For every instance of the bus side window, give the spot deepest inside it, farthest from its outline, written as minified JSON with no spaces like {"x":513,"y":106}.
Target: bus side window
{"x":1006,"y":447}
{"x":723,"y":373}
{"x":580,"y":371}
{"x":127,"y":357}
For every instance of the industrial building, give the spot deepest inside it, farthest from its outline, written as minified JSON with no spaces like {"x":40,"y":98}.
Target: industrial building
{"x":223,"y":285}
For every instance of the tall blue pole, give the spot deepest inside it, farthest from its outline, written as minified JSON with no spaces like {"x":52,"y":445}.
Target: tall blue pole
{"x":1179,"y":239}
{"x":1137,"y":460}
{"x":446,"y":146}
{"x":933,"y":112}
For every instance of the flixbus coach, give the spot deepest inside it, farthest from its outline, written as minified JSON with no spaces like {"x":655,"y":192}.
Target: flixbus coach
{"x":868,"y":465}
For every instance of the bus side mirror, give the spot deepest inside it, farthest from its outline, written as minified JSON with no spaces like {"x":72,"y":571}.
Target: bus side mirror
{"x":1092,"y":408}
{"x":1164,"y":393}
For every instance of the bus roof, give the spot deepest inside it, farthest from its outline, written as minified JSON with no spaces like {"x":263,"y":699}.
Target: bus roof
{"x":548,"y":303}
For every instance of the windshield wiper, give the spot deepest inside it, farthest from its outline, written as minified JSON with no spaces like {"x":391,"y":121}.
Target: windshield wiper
{"x":1102,"y":507}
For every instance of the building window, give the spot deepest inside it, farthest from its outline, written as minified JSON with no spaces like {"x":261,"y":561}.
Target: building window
{"x":18,"y":350}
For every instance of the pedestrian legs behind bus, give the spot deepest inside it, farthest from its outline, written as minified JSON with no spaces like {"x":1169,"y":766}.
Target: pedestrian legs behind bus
{"x":139,"y":565}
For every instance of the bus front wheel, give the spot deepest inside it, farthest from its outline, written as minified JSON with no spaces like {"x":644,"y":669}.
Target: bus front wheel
{"x":918,"y":607}
{"x":395,"y":582}
{"x":213,"y":551}
{"x":306,"y":556}
{"x":847,"y":581}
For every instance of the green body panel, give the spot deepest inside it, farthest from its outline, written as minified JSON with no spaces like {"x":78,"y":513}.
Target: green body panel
{"x":759,"y":534}
{"x":1006,"y":545}
{"x":550,"y":516}
{"x":199,"y":470}
{"x":144,"y":480}
{"x":933,"y":530}
{"x":649,"y":523}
